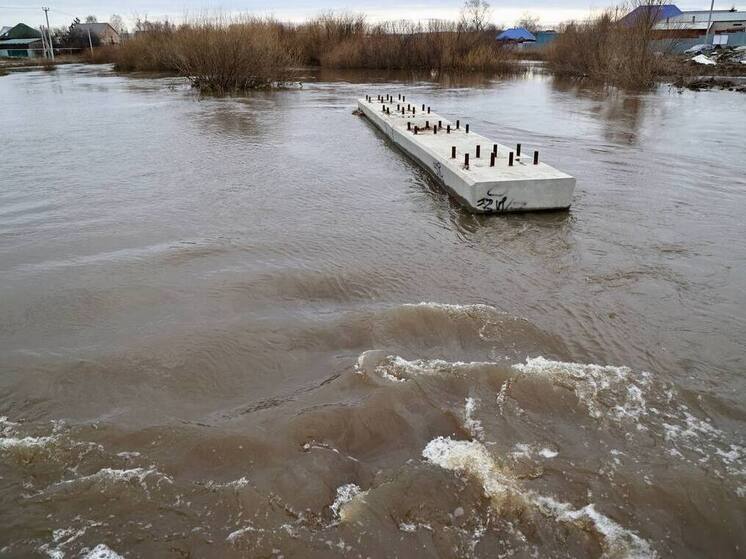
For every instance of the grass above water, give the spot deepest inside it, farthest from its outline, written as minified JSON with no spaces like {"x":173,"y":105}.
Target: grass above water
{"x":225,"y":56}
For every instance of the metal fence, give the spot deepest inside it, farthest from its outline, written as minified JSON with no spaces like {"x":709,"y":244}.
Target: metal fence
{"x":680,"y":45}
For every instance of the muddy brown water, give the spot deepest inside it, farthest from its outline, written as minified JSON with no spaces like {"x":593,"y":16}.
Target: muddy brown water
{"x":249,"y":327}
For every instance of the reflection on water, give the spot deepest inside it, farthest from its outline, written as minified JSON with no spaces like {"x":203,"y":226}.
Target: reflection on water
{"x":249,"y":327}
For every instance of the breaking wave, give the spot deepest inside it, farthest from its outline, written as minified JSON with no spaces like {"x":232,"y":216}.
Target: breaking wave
{"x":473,"y":459}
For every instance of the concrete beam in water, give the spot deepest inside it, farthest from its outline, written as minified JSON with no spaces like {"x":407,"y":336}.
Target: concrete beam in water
{"x":483,"y":183}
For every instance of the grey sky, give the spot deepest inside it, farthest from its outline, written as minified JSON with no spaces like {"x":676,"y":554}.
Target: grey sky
{"x":503,"y":12}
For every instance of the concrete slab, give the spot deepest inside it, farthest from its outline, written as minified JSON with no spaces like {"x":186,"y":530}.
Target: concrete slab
{"x":481,"y":187}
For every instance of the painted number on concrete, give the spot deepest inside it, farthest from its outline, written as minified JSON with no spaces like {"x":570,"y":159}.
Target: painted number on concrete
{"x":490,"y":204}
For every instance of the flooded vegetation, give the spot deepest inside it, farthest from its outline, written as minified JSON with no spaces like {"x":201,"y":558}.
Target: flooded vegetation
{"x":247,"y":327}
{"x":610,"y":48}
{"x":228,"y":55}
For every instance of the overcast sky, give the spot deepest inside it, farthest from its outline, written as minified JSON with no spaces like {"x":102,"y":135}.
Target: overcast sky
{"x":504,"y":12}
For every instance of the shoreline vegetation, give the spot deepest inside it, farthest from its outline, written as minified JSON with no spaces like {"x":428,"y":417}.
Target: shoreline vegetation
{"x":226,"y":55}
{"x":230,"y":55}
{"x":607,"y":49}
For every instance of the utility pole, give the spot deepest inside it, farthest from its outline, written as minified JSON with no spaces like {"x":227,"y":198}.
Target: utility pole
{"x":44,"y":42}
{"x":49,"y":32}
{"x":709,"y":23}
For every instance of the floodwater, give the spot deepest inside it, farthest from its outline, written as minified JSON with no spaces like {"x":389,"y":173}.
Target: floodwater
{"x":249,"y":327}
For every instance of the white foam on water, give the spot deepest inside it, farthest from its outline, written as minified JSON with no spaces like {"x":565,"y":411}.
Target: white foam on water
{"x":115,"y":475}
{"x":398,"y":369}
{"x":52,"y":552}
{"x":473,"y":459}
{"x":359,"y":363}
{"x":473,"y":426}
{"x":102,"y":551}
{"x":452,"y":308}
{"x":588,"y":380}
{"x":15,"y":443}
{"x":693,"y":427}
{"x":233,"y":536}
{"x":548,"y":453}
{"x":618,"y":541}
{"x":108,"y":477}
{"x":239,"y":483}
{"x":502,"y":395}
{"x":6,"y":426}
{"x":522,"y":450}
{"x":345,"y":494}
{"x":398,"y":364}
{"x":62,"y":537}
{"x":128,"y":455}
{"x":685,"y":436}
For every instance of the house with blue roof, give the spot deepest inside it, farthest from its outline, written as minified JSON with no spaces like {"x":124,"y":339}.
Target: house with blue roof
{"x":516,"y":35}
{"x":652,"y":13}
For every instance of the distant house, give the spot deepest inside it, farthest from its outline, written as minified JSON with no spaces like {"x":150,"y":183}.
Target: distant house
{"x":651,"y":13}
{"x":672,"y":23}
{"x":102,"y":33}
{"x":20,"y":41}
{"x":699,"y":23}
{"x":516,"y":35}
{"x":20,"y":31}
{"x":543,"y":38}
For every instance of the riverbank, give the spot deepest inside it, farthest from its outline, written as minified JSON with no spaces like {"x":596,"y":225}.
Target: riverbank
{"x":8,"y":65}
{"x":228,"y":56}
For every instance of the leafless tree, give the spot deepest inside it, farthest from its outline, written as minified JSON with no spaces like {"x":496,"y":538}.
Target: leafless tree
{"x":117,"y":22}
{"x":529,"y":22}
{"x":475,"y":15}
{"x":91,"y":19}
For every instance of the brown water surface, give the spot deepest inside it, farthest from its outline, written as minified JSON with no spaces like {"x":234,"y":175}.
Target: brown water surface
{"x":248,"y":327}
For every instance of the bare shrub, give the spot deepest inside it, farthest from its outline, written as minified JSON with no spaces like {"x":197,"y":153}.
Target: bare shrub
{"x":225,"y":55}
{"x":609,"y":49}
{"x":411,"y":46}
{"x":224,"y":58}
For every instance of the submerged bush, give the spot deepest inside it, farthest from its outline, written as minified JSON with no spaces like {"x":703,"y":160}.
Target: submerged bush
{"x":342,"y":42}
{"x":609,"y":49}
{"x":226,"y":58}
{"x":223,"y":56}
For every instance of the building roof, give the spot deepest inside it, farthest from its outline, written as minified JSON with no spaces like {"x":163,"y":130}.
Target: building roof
{"x":96,"y":28}
{"x":698,"y":20}
{"x":704,"y":16}
{"x":662,"y":11}
{"x":516,"y":34}
{"x":674,"y":25}
{"x":13,"y":42}
{"x":21,"y":31}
